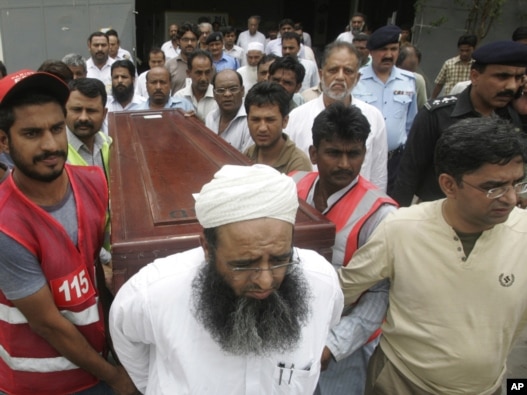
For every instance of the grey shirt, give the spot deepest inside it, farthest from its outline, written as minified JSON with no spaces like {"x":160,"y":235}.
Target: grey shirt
{"x":20,"y":271}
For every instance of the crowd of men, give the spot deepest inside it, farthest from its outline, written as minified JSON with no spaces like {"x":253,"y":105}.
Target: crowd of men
{"x":425,"y":299}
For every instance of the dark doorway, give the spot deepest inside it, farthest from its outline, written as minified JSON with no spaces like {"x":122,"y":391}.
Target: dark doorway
{"x":380,"y":11}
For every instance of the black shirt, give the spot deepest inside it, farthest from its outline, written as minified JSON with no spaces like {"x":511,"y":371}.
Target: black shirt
{"x":416,"y":174}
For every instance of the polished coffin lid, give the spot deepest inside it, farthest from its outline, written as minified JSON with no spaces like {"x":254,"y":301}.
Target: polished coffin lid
{"x":158,"y":159}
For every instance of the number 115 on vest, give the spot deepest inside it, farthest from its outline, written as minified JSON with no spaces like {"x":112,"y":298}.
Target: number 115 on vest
{"x":72,"y":289}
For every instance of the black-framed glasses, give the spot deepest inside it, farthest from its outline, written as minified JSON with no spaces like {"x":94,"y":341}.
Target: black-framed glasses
{"x":277,"y":267}
{"x":232,"y":89}
{"x":495,"y":193}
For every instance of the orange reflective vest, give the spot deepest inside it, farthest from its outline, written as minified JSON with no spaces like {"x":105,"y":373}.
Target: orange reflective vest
{"x":348,"y":214}
{"x":29,"y":365}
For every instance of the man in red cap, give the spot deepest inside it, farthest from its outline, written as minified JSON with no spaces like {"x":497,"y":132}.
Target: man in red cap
{"x":52,"y":335}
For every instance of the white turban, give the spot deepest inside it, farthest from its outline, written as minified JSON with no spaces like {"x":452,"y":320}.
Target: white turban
{"x":255,"y":46}
{"x":240,"y":193}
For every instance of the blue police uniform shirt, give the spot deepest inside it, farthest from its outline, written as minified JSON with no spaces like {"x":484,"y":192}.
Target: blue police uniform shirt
{"x":396,"y":99}
{"x":225,"y":62}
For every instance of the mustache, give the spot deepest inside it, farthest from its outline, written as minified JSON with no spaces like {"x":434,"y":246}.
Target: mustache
{"x":387,"y":60}
{"x":506,"y":93}
{"x":77,"y":124}
{"x":49,"y":154}
{"x":342,"y":173}
{"x":343,"y":83}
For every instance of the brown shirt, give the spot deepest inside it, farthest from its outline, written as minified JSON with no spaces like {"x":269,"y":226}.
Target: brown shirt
{"x":291,"y":157}
{"x":178,"y":72}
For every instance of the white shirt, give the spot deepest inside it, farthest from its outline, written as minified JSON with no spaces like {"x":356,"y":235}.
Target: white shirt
{"x":123,"y":54}
{"x":104,"y":74}
{"x":311,"y":78}
{"x":307,"y":39}
{"x":374,"y":167}
{"x":459,"y":87}
{"x":203,"y":107}
{"x":169,"y":50}
{"x":140,"y":85}
{"x":346,"y":37}
{"x":113,"y":105}
{"x":236,"y":133}
{"x":237,"y":53}
{"x":309,"y":54}
{"x":275,"y":47}
{"x":249,"y":75}
{"x":167,"y":351}
{"x":245,"y":38}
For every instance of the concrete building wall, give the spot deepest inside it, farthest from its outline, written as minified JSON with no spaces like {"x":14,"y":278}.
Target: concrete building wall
{"x":439,"y":24}
{"x":32,"y":31}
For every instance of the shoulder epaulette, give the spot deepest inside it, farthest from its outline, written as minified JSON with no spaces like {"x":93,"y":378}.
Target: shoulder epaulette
{"x":440,"y":102}
{"x":407,"y":73}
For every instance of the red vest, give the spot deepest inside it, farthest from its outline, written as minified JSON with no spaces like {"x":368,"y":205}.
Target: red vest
{"x":348,"y":214}
{"x":70,"y":273}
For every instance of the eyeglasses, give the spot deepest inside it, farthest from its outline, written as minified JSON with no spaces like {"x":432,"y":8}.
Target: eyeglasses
{"x":495,"y":193}
{"x":276,"y":268}
{"x":188,"y":39}
{"x":222,"y":91}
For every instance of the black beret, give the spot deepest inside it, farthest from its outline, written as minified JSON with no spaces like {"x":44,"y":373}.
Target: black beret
{"x":383,"y":36}
{"x":503,"y":52}
{"x":520,"y":33}
{"x":215,"y":36}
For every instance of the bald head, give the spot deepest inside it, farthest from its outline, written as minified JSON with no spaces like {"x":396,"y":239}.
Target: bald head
{"x":158,"y":86}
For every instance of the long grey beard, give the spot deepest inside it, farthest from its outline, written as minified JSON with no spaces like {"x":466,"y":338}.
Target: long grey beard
{"x":247,"y":326}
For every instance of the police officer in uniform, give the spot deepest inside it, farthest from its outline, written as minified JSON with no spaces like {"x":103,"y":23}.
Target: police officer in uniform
{"x":390,"y":89}
{"x":496,"y":75}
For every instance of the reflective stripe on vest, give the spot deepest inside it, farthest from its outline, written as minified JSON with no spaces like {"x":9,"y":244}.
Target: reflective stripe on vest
{"x":38,"y":365}
{"x":348,"y":214}
{"x":75,"y":158}
{"x":11,"y":315}
{"x":71,"y":268}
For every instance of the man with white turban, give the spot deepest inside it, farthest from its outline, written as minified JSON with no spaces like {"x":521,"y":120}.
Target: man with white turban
{"x":249,"y":73}
{"x":247,"y":313}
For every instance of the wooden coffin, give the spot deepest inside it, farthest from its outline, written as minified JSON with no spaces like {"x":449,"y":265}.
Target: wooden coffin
{"x":158,"y":160}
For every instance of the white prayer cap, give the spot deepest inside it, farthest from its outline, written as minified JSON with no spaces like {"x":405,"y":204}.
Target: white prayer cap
{"x":240,"y":193}
{"x":255,"y":46}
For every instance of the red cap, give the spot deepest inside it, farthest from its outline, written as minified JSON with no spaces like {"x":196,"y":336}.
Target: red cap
{"x":19,"y":83}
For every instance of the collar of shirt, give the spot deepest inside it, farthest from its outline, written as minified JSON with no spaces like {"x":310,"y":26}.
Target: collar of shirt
{"x":457,"y":59}
{"x":217,"y":114}
{"x":174,"y":101}
{"x":334,"y":198}
{"x":179,"y":58}
{"x":187,"y":90}
{"x":224,"y":58}
{"x":368,"y":73}
{"x":90,"y":64}
{"x":464,"y":104}
{"x":113,"y":105}
{"x":78,"y":145}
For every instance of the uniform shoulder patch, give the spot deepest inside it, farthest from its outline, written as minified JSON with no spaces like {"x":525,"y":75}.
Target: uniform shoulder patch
{"x":408,"y":74}
{"x":440,"y":102}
